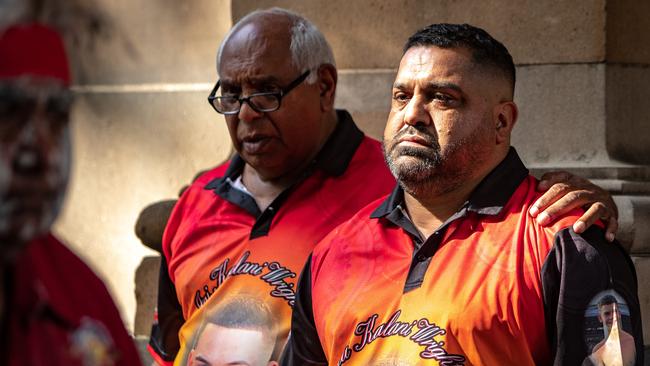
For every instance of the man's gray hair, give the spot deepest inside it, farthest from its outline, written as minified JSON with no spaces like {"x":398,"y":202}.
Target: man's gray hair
{"x":309,"y":48}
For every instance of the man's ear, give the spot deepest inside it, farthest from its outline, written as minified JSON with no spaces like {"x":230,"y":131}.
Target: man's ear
{"x":327,"y":78}
{"x":505,"y":118}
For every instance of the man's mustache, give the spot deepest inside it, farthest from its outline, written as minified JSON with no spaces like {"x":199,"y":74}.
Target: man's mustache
{"x":419,"y":131}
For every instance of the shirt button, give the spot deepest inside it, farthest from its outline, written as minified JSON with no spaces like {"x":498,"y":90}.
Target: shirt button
{"x":421,"y":257}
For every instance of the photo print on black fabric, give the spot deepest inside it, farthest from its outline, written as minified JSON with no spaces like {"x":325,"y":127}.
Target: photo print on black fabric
{"x":608,"y":331}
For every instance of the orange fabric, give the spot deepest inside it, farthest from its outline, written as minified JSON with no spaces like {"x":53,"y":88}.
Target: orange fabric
{"x":480,"y":302}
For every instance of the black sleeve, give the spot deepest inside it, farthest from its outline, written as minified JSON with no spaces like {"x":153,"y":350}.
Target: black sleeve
{"x":578,"y":268}
{"x":303,"y":346}
{"x":164,"y":331}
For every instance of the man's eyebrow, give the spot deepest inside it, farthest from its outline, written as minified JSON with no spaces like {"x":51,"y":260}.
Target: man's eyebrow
{"x":202,"y":359}
{"x":430,"y":86}
{"x":451,"y":86}
{"x":264,"y":80}
{"x":401,"y":86}
{"x":438,"y":86}
{"x":255,"y":81}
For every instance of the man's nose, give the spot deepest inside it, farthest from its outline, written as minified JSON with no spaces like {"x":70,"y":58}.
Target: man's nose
{"x":247,"y":113}
{"x":28,"y":161}
{"x":417,"y":112}
{"x":32,"y":146}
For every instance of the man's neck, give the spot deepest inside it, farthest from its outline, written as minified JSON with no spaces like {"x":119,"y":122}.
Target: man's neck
{"x":429,"y":208}
{"x":264,"y":191}
{"x":428,"y":213}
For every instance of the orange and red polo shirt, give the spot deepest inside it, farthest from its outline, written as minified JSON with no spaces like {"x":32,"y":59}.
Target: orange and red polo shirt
{"x":218,"y":245}
{"x":488,"y":287}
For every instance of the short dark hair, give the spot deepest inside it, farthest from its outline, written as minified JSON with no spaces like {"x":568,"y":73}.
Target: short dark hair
{"x":240,"y":313}
{"x":485,"y":49}
{"x":243,"y":313}
{"x":606,"y":300}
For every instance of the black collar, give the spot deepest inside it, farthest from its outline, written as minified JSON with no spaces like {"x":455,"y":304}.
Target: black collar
{"x":333,"y":159}
{"x":489,"y":197}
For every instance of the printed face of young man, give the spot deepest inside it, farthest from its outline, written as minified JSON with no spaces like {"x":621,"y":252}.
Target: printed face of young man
{"x":606,"y":314}
{"x":220,"y":346}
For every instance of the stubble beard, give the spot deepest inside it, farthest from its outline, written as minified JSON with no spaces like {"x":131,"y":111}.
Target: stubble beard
{"x":420,"y":171}
{"x":430,"y":171}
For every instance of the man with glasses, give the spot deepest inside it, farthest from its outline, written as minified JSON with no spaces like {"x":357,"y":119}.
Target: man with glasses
{"x":302,"y":167}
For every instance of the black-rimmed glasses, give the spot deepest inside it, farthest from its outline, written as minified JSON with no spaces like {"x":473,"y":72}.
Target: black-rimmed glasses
{"x":260,"y":102}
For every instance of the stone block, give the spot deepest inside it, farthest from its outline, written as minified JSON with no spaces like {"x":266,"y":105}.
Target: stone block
{"x":642,"y":265}
{"x":146,"y":294}
{"x":151,"y":223}
{"x":370,"y":34}
{"x":153,"y":42}
{"x":366,"y":94}
{"x":152,"y":133}
{"x":372,"y":123}
{"x":628,"y":113}
{"x":562,"y":115}
{"x":628,"y":31}
{"x":129,"y":150}
{"x":633,"y":211}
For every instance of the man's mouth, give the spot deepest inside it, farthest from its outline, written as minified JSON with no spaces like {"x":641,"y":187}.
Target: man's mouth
{"x":415,"y":137}
{"x":255,"y":144}
{"x":19,"y":201}
{"x":414,"y":140}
